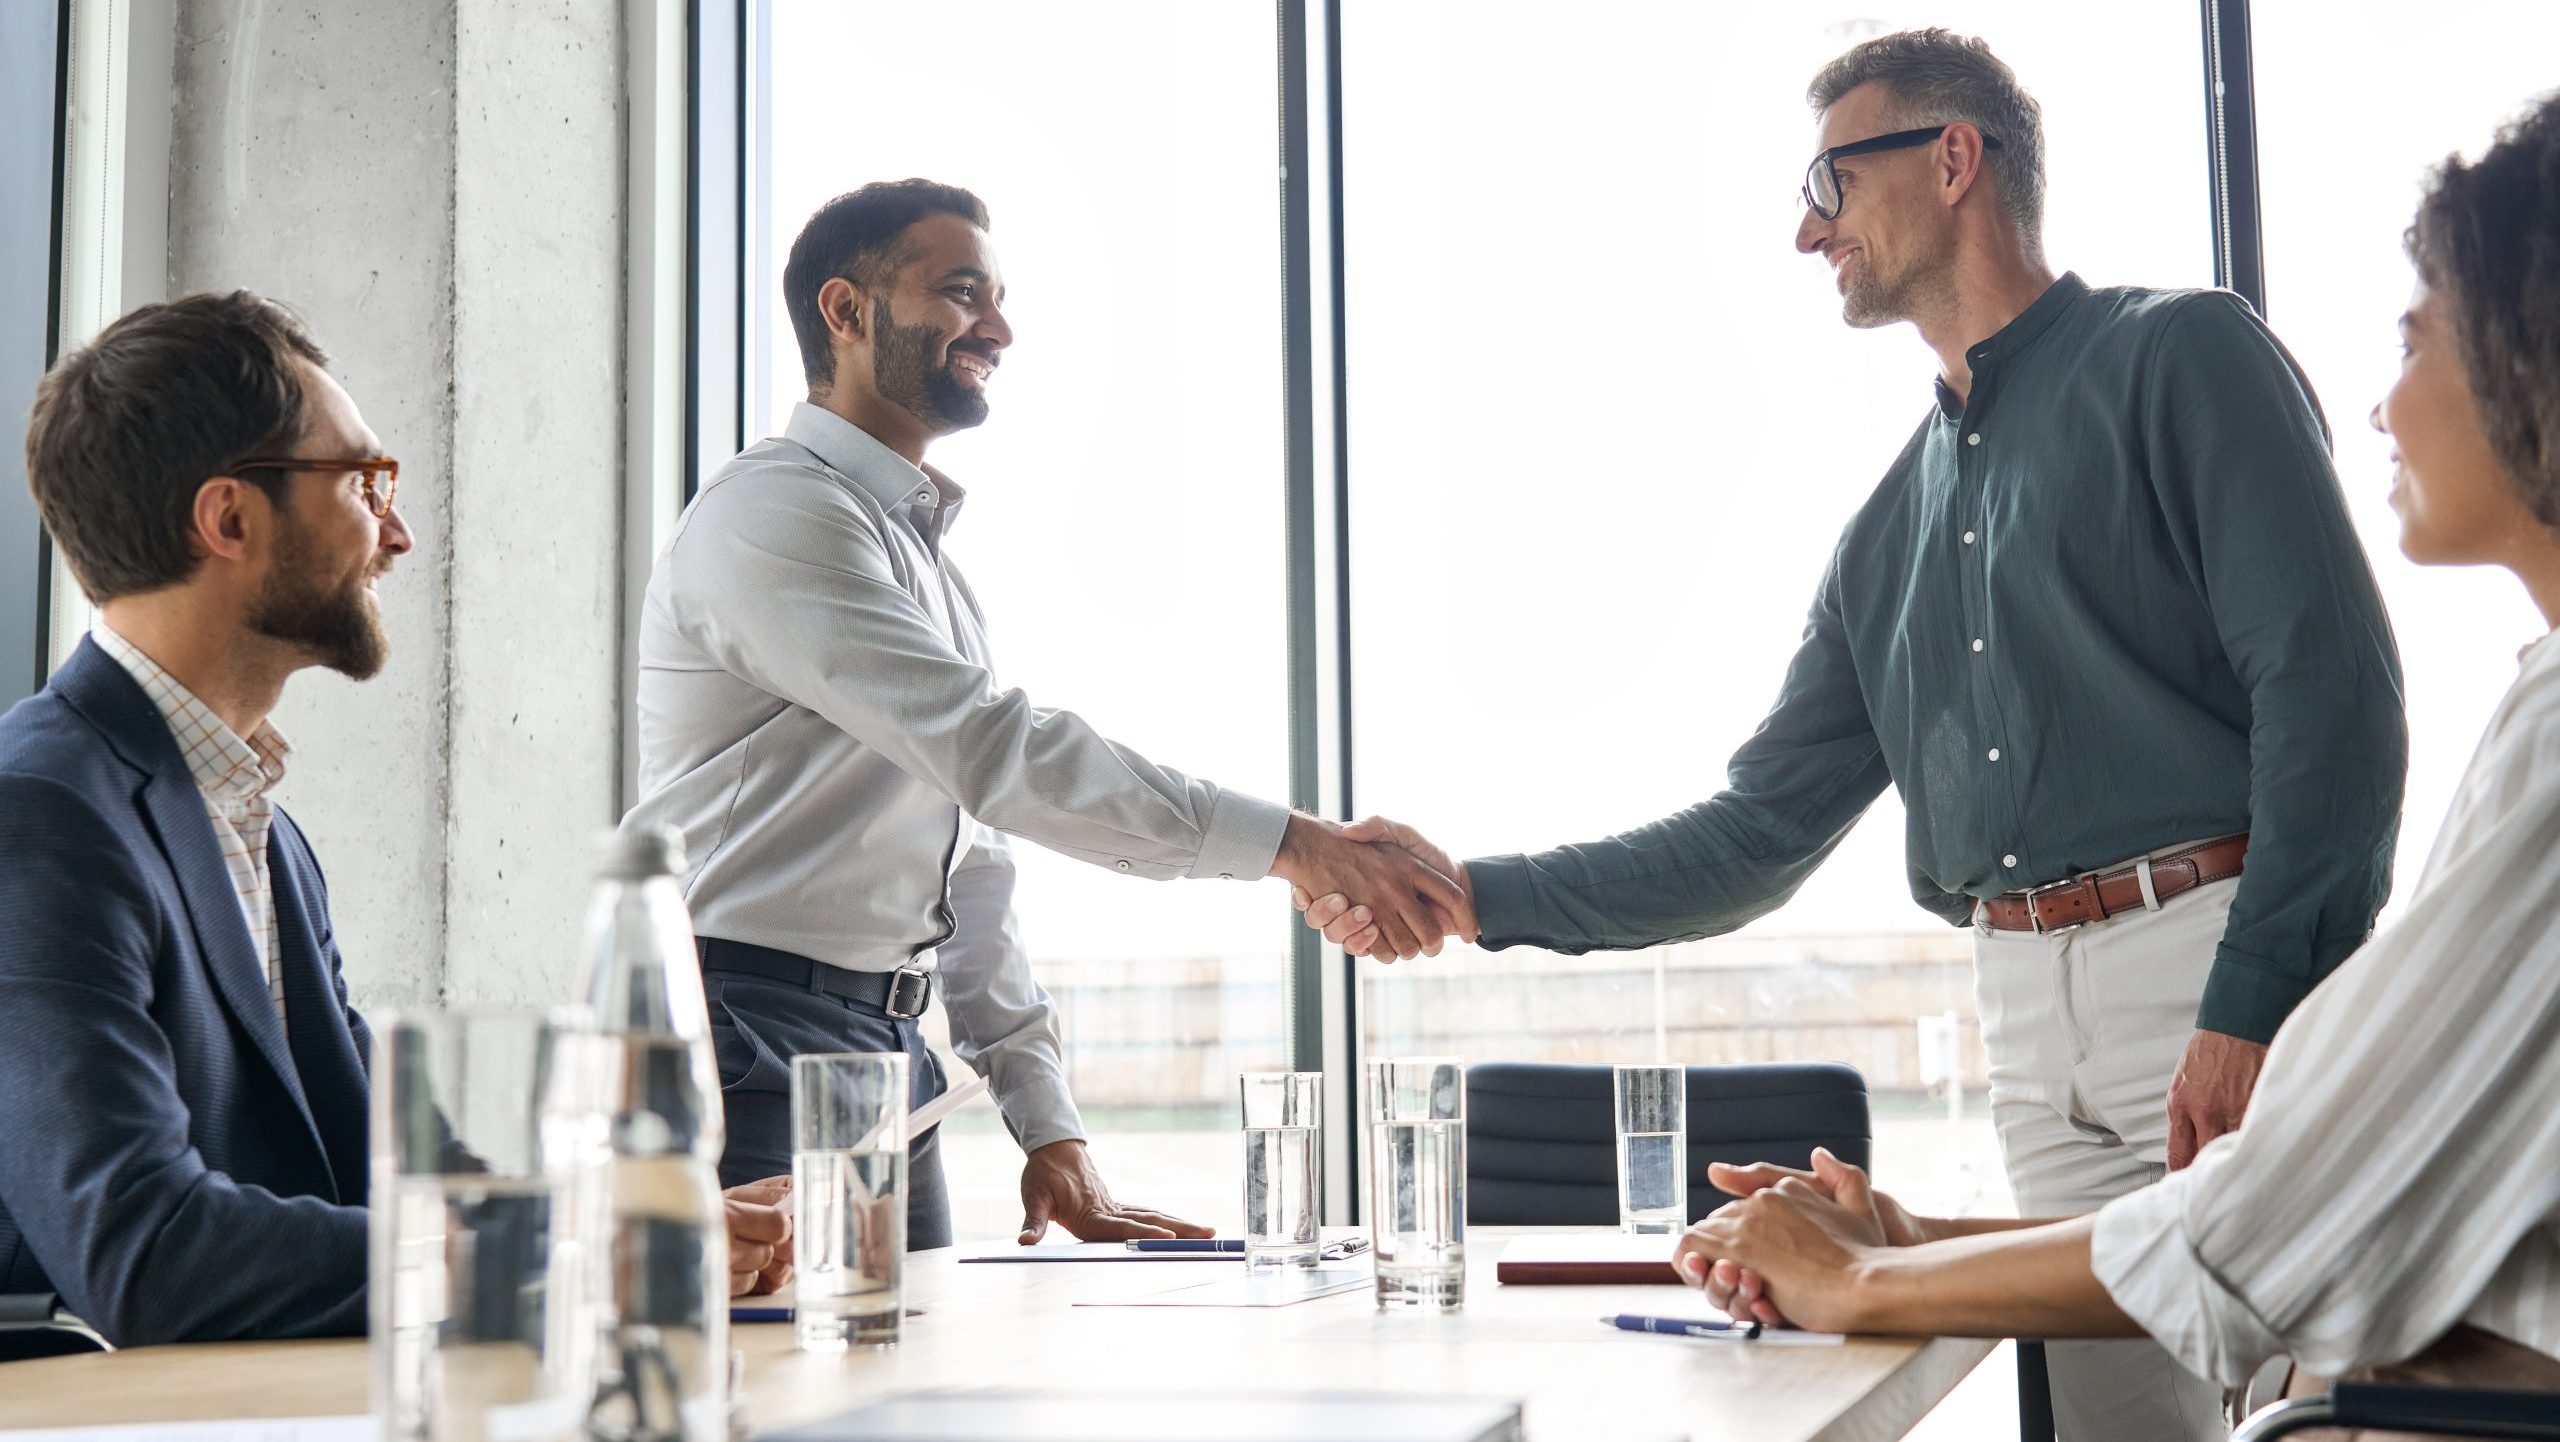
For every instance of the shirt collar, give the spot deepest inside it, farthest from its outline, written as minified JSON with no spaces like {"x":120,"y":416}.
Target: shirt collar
{"x":2014,"y":337}
{"x":224,"y":766}
{"x":883,"y":474}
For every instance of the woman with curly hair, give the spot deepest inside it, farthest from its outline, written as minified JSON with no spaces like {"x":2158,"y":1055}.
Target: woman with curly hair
{"x":2390,"y":1210}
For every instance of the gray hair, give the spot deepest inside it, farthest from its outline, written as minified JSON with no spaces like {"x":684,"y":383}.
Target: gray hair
{"x":1938,"y":76}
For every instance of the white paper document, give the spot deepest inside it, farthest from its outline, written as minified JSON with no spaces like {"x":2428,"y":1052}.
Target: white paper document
{"x":1093,"y":1252}
{"x":254,"y":1429}
{"x":1280,"y":1287}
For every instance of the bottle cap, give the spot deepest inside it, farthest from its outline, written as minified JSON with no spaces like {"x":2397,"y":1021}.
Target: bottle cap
{"x":639,"y":853}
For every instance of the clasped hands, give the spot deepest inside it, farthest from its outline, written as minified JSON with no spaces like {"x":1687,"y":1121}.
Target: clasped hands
{"x":1376,"y":887}
{"x":1788,"y":1250}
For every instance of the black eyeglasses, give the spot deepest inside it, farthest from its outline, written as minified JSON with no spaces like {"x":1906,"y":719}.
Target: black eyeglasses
{"x":1822,"y":183}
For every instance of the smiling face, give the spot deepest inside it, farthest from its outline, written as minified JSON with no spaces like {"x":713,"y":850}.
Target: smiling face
{"x":329,"y":548}
{"x":2457,"y":504}
{"x":937,"y":328}
{"x":1892,"y":247}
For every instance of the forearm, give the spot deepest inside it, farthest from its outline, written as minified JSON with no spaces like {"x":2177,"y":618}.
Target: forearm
{"x":1702,"y":872}
{"x":2016,"y":1280}
{"x":1940,"y":1229}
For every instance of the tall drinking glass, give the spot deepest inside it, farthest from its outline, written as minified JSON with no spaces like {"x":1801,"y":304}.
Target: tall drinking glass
{"x":1653,"y":1148}
{"x":849,"y":1198}
{"x":1283,"y":1167}
{"x":478,"y":1328}
{"x":1417,"y":1113}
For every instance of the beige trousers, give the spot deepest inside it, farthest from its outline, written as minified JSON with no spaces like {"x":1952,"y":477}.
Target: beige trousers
{"x":2084,"y":1029}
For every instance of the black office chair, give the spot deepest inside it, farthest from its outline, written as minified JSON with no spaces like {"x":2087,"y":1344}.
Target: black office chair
{"x":1542,"y":1140}
{"x":2441,"y":1411}
{"x":35,"y":1324}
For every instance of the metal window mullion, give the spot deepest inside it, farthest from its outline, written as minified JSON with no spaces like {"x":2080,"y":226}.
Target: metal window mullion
{"x":1305,"y":979}
{"x":2231,"y":140}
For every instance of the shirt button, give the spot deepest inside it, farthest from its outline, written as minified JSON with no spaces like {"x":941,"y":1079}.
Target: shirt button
{"x":1968,"y":538}
{"x":1120,"y":865}
{"x":1974,"y":440}
{"x":2008,"y":861}
{"x":1977,"y":643}
{"x":1995,"y":755}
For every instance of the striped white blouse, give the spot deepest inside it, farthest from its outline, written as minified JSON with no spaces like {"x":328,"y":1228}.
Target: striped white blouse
{"x":2399,"y":1171}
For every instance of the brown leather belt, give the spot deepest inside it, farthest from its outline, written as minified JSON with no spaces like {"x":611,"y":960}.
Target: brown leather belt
{"x":2097,"y":896}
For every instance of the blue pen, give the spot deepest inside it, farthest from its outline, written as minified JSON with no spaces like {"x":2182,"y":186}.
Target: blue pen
{"x":759,"y":1314}
{"x":1685,"y":1327}
{"x":1187,"y":1244}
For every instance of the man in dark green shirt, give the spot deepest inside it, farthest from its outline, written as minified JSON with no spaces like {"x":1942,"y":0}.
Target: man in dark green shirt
{"x":2104,"y":607}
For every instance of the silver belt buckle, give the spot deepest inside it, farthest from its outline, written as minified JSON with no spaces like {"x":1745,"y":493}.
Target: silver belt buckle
{"x":2035,"y":919}
{"x":910,"y":988}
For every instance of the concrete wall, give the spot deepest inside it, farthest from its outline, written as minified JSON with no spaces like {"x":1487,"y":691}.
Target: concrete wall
{"x":438,"y":186}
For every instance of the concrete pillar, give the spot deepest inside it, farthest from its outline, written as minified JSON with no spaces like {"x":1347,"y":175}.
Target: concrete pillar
{"x":437,"y":186}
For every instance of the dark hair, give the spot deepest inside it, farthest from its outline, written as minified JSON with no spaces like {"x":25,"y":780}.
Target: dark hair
{"x":2487,"y":238}
{"x":1937,"y":77}
{"x":129,"y":427}
{"x":856,"y":237}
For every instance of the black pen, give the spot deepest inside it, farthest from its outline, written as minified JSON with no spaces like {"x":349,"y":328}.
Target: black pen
{"x":1186,"y":1244}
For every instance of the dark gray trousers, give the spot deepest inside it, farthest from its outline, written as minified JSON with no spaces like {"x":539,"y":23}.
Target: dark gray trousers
{"x":758,"y":1026}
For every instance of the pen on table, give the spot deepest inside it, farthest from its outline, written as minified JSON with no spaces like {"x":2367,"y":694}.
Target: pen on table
{"x":759,"y":1314}
{"x":1685,"y":1327}
{"x":1347,"y":1247}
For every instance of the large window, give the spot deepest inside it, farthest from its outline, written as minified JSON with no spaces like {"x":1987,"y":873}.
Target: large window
{"x":1606,"y":425}
{"x":2422,"y":85}
{"x":1601,"y":426}
{"x":1124,"y":528}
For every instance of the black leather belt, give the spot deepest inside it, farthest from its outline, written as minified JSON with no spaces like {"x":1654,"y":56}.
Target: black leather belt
{"x":901,"y":995}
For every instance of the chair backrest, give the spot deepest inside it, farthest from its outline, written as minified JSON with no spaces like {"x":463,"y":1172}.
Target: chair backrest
{"x":1542,"y":1137}
{"x":33,"y":1324}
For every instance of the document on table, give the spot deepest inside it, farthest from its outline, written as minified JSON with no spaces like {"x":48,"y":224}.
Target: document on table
{"x":252,"y":1429}
{"x":1092,"y":1252}
{"x":1282,"y":1287}
{"x":1002,"y":1415}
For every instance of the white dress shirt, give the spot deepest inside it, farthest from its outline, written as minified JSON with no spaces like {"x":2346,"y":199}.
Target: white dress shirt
{"x":819,"y":718}
{"x":235,"y":777}
{"x":2399,"y":1171}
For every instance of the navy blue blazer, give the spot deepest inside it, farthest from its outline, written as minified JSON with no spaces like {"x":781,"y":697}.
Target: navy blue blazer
{"x":169,"y":1162}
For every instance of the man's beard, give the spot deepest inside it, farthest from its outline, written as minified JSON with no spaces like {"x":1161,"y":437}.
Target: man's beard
{"x":338,"y":625}
{"x":1872,"y":301}
{"x":908,"y":364}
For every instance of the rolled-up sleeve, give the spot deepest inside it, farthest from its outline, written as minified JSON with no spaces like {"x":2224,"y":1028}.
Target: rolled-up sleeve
{"x":787,"y":585}
{"x":2399,"y":1152}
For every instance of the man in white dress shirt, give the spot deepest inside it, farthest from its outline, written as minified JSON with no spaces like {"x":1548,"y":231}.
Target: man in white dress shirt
{"x":818,"y":716}
{"x":2390,"y":1208}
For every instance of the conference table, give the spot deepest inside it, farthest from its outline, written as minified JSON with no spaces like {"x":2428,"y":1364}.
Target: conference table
{"x":1018,"y":1325}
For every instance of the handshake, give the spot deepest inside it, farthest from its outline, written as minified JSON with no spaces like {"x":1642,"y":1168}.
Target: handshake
{"x":1375,"y":888}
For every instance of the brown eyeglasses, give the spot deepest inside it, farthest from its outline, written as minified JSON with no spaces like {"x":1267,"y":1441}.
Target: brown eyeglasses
{"x":381,"y":474}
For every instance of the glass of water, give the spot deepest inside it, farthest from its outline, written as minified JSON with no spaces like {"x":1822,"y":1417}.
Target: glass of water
{"x":1283,"y":1167}
{"x":1653,"y":1148}
{"x":849,"y":1198}
{"x":1417,"y":1165}
{"x":478,"y":1328}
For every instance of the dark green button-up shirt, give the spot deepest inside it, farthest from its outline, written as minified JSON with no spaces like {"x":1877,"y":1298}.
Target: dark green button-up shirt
{"x":2109,"y":602}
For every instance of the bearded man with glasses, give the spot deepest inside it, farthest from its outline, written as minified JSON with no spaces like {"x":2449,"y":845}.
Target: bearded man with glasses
{"x":183,"y":1079}
{"x":2106,"y":626}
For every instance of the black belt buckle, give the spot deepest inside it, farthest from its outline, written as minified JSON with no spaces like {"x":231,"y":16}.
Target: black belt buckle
{"x":909,"y":993}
